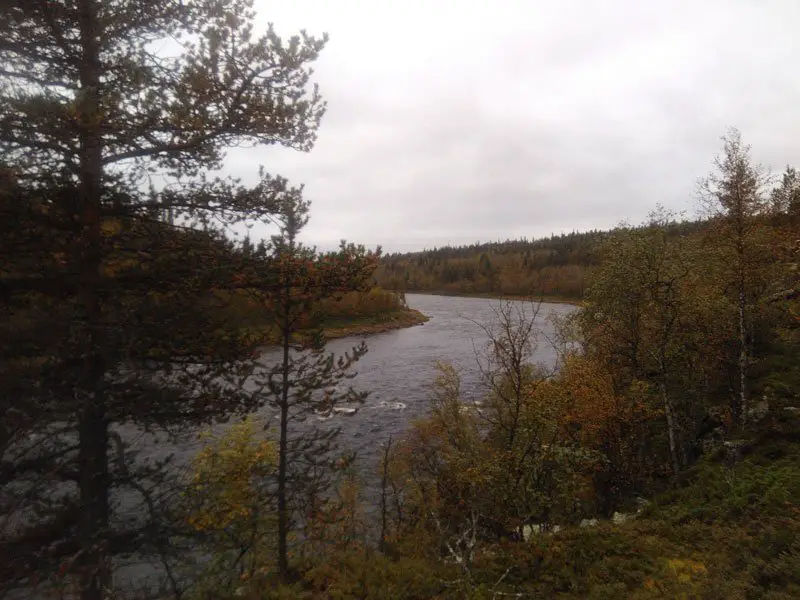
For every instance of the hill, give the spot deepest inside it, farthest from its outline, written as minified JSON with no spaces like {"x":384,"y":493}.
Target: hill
{"x":556,"y":267}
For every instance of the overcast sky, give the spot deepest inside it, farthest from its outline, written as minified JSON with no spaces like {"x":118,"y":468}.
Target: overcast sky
{"x":462,"y":121}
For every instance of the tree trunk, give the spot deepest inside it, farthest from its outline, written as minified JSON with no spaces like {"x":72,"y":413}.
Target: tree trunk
{"x":94,"y":494}
{"x":387,"y":449}
{"x":670,"y":414}
{"x":743,"y":358}
{"x":669,"y":410}
{"x":283,"y":516}
{"x":94,"y":480}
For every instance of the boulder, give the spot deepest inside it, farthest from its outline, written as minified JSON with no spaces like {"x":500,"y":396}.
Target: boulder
{"x":619,"y":518}
{"x":528,"y":531}
{"x":758,"y":410}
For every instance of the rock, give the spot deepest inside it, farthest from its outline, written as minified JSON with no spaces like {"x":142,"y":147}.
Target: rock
{"x":392,"y":405}
{"x":759,"y":410}
{"x":619,"y":518}
{"x":528,"y":531}
{"x":734,"y":450}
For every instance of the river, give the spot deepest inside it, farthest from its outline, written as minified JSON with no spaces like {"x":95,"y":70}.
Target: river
{"x":398,"y":371}
{"x":399,"y":367}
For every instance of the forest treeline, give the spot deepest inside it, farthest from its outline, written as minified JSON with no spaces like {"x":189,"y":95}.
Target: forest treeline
{"x":659,"y":459}
{"x":370,"y":310}
{"x":553,"y":267}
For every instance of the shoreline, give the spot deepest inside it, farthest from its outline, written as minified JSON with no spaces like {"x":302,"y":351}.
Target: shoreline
{"x":371,"y":325}
{"x":364,"y":326}
{"x":493,"y":296}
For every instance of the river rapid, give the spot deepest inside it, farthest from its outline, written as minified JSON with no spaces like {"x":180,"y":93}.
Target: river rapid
{"x":398,"y":372}
{"x":399,"y":368}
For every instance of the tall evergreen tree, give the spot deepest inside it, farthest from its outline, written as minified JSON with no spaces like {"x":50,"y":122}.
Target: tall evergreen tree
{"x":306,"y":379}
{"x":105,"y":319}
{"x":786,"y":196}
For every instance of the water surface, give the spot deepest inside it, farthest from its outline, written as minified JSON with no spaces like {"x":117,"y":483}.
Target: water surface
{"x":399,"y":367}
{"x":398,"y":371}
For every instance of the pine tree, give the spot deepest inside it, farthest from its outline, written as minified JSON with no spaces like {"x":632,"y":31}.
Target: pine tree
{"x":306,"y":380}
{"x":106,"y":318}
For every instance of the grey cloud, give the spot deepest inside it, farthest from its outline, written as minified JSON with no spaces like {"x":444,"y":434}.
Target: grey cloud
{"x":475,"y":121}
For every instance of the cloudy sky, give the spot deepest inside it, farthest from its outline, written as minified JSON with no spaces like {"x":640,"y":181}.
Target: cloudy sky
{"x":462,"y":121}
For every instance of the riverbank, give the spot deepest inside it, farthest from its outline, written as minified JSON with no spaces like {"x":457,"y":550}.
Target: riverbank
{"x":378,"y":323}
{"x":549,"y":299}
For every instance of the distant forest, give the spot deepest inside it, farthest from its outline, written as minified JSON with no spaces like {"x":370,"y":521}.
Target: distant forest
{"x":557,"y":266}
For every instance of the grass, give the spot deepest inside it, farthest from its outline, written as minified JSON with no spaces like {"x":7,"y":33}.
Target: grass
{"x":377,"y":323}
{"x":728,"y":530}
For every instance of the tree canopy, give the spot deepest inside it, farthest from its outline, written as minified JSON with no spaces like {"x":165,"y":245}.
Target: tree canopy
{"x":111,"y":115}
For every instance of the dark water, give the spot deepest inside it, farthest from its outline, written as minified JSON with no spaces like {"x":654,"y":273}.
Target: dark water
{"x":398,"y":371}
{"x":399,"y":368}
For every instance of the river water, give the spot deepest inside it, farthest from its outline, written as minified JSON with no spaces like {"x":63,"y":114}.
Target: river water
{"x":398,"y":371}
{"x":399,"y":367}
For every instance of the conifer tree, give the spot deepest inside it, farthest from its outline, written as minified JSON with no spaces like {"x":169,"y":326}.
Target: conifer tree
{"x":106,"y":307}
{"x":306,"y":380}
